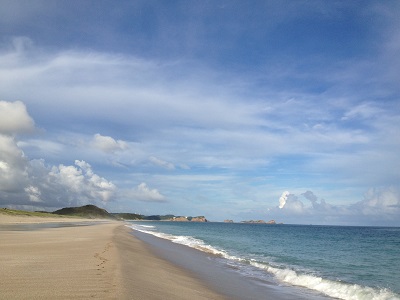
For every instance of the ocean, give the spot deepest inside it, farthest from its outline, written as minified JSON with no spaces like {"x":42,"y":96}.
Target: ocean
{"x":335,"y":261}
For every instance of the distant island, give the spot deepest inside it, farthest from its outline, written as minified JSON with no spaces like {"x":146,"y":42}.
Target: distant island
{"x":260,"y":222}
{"x":272,"y":222}
{"x":188,"y":219}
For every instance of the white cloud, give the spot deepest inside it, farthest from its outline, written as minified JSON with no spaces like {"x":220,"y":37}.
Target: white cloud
{"x":161,"y":163}
{"x":13,"y":165}
{"x":82,"y":183}
{"x":56,"y":186}
{"x":33,"y":193}
{"x":14,"y":118}
{"x":143,"y":193}
{"x":363,"y":111}
{"x":209,"y":120}
{"x":31,"y":182}
{"x":378,"y":201}
{"x":105,"y":83}
{"x":291,"y":204}
{"x":380,"y":206}
{"x":108,"y":144}
{"x":283,"y":198}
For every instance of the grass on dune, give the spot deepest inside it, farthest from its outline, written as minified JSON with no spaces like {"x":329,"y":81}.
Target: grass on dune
{"x":15,"y":212}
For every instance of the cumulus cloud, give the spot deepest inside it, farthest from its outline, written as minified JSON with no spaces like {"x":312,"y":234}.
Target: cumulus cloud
{"x":379,"y":206}
{"x":33,"y":193}
{"x":310,"y":196}
{"x":82,"y":182}
{"x":290,"y":203}
{"x":55,"y":186}
{"x":14,"y":118}
{"x":379,"y":201}
{"x":108,"y":144}
{"x":32,"y":182}
{"x":283,"y":198}
{"x":13,"y":165}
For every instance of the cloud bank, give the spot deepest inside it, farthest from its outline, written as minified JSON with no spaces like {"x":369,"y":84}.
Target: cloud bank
{"x":25,"y":182}
{"x":379,"y":207}
{"x":28,"y":183}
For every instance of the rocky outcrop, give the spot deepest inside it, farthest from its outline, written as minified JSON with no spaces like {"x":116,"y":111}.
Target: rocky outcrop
{"x":189,"y":219}
{"x":179,"y":219}
{"x":254,"y":222}
{"x":199,"y":219}
{"x":259,"y":222}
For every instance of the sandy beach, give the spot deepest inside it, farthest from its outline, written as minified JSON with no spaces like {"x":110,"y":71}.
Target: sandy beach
{"x":98,"y":261}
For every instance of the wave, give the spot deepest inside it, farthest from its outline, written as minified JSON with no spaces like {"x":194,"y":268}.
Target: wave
{"x":336,"y":289}
{"x":332,"y":288}
{"x":184,"y":240}
{"x":147,"y":226}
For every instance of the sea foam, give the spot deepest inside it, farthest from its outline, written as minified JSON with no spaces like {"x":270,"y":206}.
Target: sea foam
{"x":336,"y":289}
{"x":188,"y":241}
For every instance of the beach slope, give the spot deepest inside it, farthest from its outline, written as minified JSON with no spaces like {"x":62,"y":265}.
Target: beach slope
{"x":97,"y":261}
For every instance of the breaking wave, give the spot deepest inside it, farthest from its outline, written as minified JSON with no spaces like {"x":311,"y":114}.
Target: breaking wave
{"x":332,"y":288}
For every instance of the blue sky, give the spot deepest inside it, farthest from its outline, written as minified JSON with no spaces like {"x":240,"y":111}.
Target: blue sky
{"x":285,"y":110}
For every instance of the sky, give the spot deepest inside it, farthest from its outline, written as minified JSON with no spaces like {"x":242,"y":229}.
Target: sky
{"x":242,"y":110}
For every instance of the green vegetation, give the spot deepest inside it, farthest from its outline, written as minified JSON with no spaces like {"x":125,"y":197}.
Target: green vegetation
{"x":15,"y":212}
{"x":198,"y":217}
{"x":158,"y":217}
{"x":87,"y":211}
{"x":128,"y":216}
{"x":91,"y":212}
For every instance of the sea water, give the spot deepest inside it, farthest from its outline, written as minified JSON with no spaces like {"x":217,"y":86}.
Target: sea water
{"x":337,"y":261}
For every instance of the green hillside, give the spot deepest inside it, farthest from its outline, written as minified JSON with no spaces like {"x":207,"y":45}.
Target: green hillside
{"x":87,"y":211}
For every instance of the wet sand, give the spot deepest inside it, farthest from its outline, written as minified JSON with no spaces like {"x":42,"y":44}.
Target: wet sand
{"x":102,"y":261}
{"x":218,"y":274}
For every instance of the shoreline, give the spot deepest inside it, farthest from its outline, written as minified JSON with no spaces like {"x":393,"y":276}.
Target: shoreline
{"x":150,"y":276}
{"x":222,"y":277}
{"x":102,"y":261}
{"x":64,"y":259}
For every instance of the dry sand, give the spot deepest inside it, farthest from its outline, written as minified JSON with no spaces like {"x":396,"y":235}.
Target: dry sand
{"x":21,"y":219}
{"x":100,"y":261}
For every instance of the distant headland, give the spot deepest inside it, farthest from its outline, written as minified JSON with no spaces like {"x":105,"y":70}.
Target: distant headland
{"x":93,"y":212}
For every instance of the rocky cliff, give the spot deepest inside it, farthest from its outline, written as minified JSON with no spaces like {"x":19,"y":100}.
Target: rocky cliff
{"x":199,"y":219}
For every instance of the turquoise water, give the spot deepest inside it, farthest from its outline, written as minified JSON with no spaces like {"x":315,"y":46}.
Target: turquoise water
{"x":341,"y":262}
